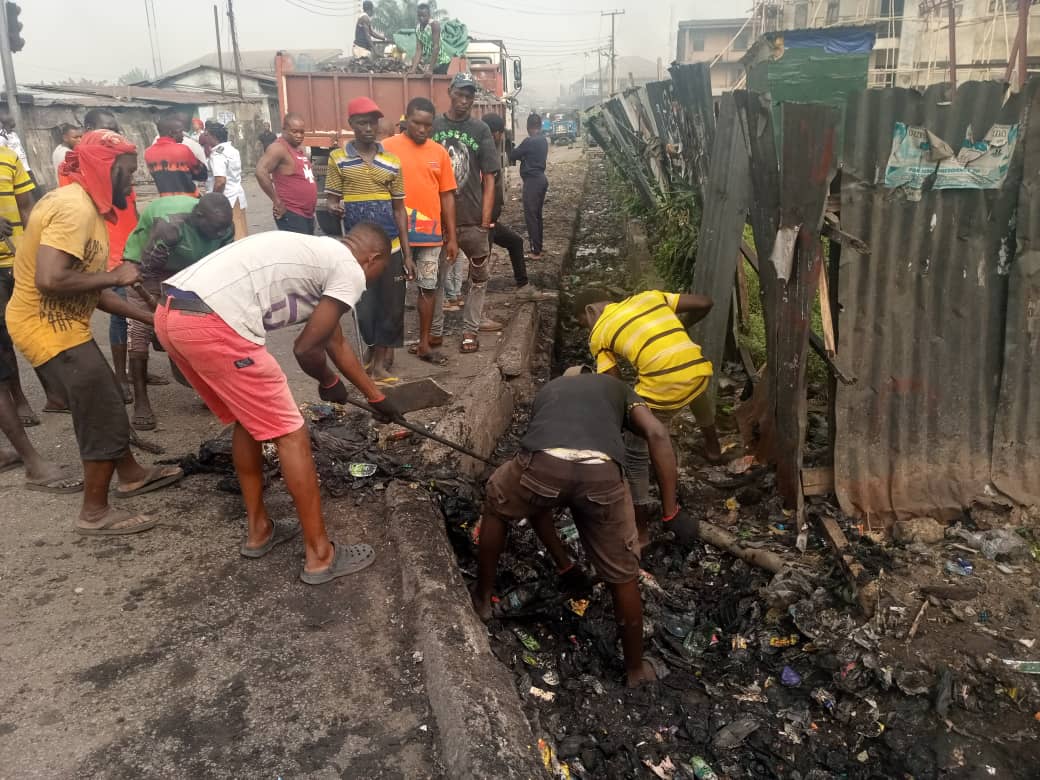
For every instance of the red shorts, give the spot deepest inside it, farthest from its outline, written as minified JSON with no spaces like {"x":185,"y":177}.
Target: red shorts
{"x":240,"y":381}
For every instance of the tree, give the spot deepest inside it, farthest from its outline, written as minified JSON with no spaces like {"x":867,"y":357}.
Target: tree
{"x":134,"y":75}
{"x":394,"y":15}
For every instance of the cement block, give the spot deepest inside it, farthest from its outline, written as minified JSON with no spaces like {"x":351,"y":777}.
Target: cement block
{"x":517,"y":344}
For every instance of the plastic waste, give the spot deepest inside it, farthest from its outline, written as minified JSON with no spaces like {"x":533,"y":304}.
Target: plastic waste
{"x":1026,"y":667}
{"x":578,"y":606}
{"x":732,"y":734}
{"x":527,"y":639}
{"x":702,"y":769}
{"x":790,"y":677}
{"x":998,"y":541}
{"x":362,"y":469}
{"x":824,"y":698}
{"x":959,"y":567}
{"x":569,"y":533}
{"x":546,"y":696}
{"x":551,"y":678}
{"x":517,"y":599}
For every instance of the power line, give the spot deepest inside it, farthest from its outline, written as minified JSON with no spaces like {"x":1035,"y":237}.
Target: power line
{"x":535,"y":12}
{"x":299,"y":4}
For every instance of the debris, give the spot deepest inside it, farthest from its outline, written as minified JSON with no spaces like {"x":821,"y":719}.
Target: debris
{"x":960,"y":567}
{"x":918,"y":529}
{"x":823,"y":698}
{"x":527,"y":639}
{"x":732,"y":734}
{"x":790,"y":677}
{"x":996,"y":542}
{"x":703,"y":771}
{"x":362,"y":469}
{"x":1026,"y":667}
{"x":538,"y":693}
{"x":917,"y":621}
{"x":664,"y":770}
{"x":78,"y":591}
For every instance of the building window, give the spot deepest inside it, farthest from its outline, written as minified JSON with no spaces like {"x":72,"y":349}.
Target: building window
{"x":832,"y":12}
{"x":696,"y":44}
{"x":741,"y":41}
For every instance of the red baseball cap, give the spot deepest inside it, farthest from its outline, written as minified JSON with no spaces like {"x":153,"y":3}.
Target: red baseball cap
{"x":362,"y":105}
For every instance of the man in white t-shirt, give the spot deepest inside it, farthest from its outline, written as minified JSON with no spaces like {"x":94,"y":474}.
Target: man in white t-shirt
{"x":213,"y":324}
{"x":225,"y":176}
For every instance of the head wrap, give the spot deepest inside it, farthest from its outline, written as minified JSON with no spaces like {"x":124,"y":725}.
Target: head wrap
{"x":90,"y":165}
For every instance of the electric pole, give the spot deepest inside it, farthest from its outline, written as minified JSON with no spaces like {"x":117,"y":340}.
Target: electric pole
{"x":613,"y":51}
{"x":7,"y":61}
{"x":220,"y":55}
{"x":234,"y":46}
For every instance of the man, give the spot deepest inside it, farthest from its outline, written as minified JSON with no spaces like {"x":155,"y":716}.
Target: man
{"x":70,"y":135}
{"x":572,"y":456}
{"x":118,"y":233}
{"x":365,"y":184}
{"x":532,"y":154}
{"x":207,"y":140}
{"x":429,"y":58}
{"x":174,"y":167}
{"x":172,"y":234}
{"x":9,"y":138}
{"x":504,"y":236}
{"x":475,"y":162}
{"x":59,"y":281}
{"x":285,"y":175}
{"x":671,"y":373}
{"x":214,"y":325}
{"x":364,"y":35}
{"x":429,"y":197}
{"x":225,"y":166}
{"x":266,"y":137}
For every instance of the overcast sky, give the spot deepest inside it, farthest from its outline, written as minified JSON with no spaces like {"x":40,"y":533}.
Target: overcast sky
{"x":65,"y":38}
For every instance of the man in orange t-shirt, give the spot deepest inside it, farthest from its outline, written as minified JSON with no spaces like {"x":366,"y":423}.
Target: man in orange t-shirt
{"x":429,"y":199}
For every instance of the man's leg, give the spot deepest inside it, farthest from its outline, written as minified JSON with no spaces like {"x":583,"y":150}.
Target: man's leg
{"x":703,"y":408}
{"x":507,"y":238}
{"x":542,"y":187}
{"x":382,"y":308}
{"x":475,"y":242}
{"x":493,"y":533}
{"x":637,"y":467}
{"x":117,"y":342}
{"x":238,"y":219}
{"x":37,"y":470}
{"x":429,"y":280}
{"x":544,"y":526}
{"x":628,"y":612}
{"x":12,"y":384}
{"x":140,"y":340}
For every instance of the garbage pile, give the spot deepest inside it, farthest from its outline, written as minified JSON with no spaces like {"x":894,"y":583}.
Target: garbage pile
{"x":366,"y":65}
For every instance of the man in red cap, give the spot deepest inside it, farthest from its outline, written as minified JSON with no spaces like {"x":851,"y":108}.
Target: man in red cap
{"x":365,"y":184}
{"x":60,"y":278}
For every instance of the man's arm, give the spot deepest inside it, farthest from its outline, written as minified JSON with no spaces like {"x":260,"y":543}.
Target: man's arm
{"x":110,"y":303}
{"x":417,"y":59}
{"x":488,"y":201}
{"x":55,"y":274}
{"x":219,"y":183}
{"x":265,"y":168}
{"x":451,"y":238}
{"x":25,"y":204}
{"x":322,"y":337}
{"x":519,"y":151}
{"x":162,"y":240}
{"x":372,"y":34}
{"x":219,"y":165}
{"x":435,"y":54}
{"x":642,"y":422}
{"x":401,"y":220}
{"x":695,"y":306}
{"x":334,"y":188}
{"x":198,"y":169}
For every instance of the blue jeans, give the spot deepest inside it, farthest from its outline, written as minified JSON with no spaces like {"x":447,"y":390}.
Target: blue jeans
{"x":116,"y":323}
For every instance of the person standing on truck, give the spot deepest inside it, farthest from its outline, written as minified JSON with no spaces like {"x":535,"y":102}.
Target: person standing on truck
{"x":365,"y":184}
{"x":532,"y":153}
{"x":475,"y":161}
{"x":429,"y":198}
{"x":364,"y":35}
{"x":285,"y":175}
{"x":429,"y":58}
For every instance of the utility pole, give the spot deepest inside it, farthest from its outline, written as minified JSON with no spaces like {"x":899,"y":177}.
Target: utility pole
{"x":7,"y":61}
{"x":599,"y":80}
{"x":1023,"y":33}
{"x":220,"y":55}
{"x":234,"y":46}
{"x":613,"y":51}
{"x":952,"y":12}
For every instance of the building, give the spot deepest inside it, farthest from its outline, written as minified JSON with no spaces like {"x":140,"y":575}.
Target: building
{"x":721,"y":42}
{"x":912,"y":48}
{"x":594,"y":86}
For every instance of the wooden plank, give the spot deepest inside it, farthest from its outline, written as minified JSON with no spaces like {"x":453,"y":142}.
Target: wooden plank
{"x":864,"y":587}
{"x":826,"y":317}
{"x":818,"y":481}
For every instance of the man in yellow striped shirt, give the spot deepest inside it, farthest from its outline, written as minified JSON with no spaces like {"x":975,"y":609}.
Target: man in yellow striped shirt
{"x":671,"y":372}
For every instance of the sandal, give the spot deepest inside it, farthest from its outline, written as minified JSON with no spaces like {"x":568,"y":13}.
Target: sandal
{"x":154,"y":380}
{"x":434,"y":357}
{"x":280,"y":532}
{"x":354,"y":558}
{"x":143,"y":422}
{"x":117,"y":524}
{"x":28,"y":420}
{"x":57,"y":485}
{"x":157,"y":477}
{"x":490,"y":326}
{"x":435,"y":341}
{"x":469,"y":344}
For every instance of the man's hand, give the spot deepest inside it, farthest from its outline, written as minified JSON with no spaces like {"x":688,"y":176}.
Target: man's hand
{"x":409,"y":267}
{"x":335,"y":206}
{"x":336,"y":393}
{"x":684,"y":526}
{"x":387,"y":412}
{"x":6,"y":228}
{"x":126,"y":274}
{"x":451,"y":250}
{"x":278,"y":209}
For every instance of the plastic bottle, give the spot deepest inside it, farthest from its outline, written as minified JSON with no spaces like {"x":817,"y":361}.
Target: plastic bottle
{"x":702,"y":769}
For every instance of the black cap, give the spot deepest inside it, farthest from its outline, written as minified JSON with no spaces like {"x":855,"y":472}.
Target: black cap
{"x":464,"y":80}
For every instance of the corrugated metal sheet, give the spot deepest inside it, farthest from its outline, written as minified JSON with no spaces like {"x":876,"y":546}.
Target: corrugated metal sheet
{"x":1016,"y":441}
{"x":922,"y":316}
{"x":692,"y":91}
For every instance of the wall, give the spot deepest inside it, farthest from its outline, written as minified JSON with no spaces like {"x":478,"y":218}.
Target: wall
{"x":727,"y":73}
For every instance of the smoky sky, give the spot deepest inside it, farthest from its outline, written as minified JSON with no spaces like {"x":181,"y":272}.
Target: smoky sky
{"x":557,"y":41}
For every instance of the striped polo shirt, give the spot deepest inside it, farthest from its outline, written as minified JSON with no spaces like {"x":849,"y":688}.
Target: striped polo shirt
{"x":367,"y":189}
{"x":645,"y":331}
{"x":13,"y":182}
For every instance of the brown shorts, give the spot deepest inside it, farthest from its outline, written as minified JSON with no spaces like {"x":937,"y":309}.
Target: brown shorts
{"x":95,"y":399}
{"x":596,"y":495}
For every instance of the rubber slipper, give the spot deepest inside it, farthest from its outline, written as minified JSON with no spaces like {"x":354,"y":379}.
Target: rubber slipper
{"x":435,"y":341}
{"x":434,"y":357}
{"x":469,"y":345}
{"x":155,"y":480}
{"x":57,"y":486}
{"x":350,"y":560}
{"x":282,"y":532}
{"x":387,"y":380}
{"x":112,"y":519}
{"x":143,"y":422}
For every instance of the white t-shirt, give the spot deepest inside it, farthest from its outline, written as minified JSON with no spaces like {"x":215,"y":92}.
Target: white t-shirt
{"x":58,"y":155}
{"x":11,"y":140}
{"x":272,"y":280}
{"x":225,"y":161}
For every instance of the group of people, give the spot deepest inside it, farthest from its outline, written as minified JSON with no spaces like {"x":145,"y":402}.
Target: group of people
{"x":409,"y":206}
{"x":430,"y":57}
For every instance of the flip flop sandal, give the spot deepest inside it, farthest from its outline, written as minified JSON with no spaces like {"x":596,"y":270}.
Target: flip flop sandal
{"x":114,"y":517}
{"x":143,"y":422}
{"x":469,"y":345}
{"x":282,"y":532}
{"x":434,"y":357}
{"x":128,"y":395}
{"x":57,"y":486}
{"x":350,"y":560}
{"x":29,"y":420}
{"x":387,"y":380}
{"x":151,"y":484}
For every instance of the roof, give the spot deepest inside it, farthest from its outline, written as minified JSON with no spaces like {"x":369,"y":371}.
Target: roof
{"x":258,"y":63}
{"x":44,"y":94}
{"x":712,"y":24}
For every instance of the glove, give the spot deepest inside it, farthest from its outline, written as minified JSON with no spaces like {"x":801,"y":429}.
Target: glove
{"x":684,"y":526}
{"x":336,"y":394}
{"x":387,"y":412}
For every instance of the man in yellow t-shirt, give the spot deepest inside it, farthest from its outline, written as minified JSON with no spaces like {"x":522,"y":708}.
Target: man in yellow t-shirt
{"x":60,"y":279}
{"x":671,"y":372}
{"x":15,"y":204}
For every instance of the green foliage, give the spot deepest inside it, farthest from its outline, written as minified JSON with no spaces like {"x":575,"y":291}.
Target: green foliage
{"x":391,"y":16}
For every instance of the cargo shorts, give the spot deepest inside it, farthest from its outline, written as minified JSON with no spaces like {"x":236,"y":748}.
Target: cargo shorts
{"x":427,"y":265}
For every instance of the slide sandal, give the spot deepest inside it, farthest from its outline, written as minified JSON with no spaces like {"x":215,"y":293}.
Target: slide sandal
{"x":158,"y":477}
{"x":281,"y":532}
{"x":58,"y":486}
{"x":350,"y":560}
{"x":117,"y":523}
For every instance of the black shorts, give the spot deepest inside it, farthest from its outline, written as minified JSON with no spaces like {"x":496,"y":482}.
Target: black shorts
{"x":295,"y":223}
{"x":7,"y":370}
{"x":381,"y":309}
{"x":95,"y":400}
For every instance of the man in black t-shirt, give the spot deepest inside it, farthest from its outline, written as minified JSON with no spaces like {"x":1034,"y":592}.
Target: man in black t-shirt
{"x":572,"y":456}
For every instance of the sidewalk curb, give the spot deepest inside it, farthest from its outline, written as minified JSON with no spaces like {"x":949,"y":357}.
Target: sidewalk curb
{"x":483,"y":732}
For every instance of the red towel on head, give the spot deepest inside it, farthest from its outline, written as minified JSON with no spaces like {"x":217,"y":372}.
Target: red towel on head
{"x":90,"y":164}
